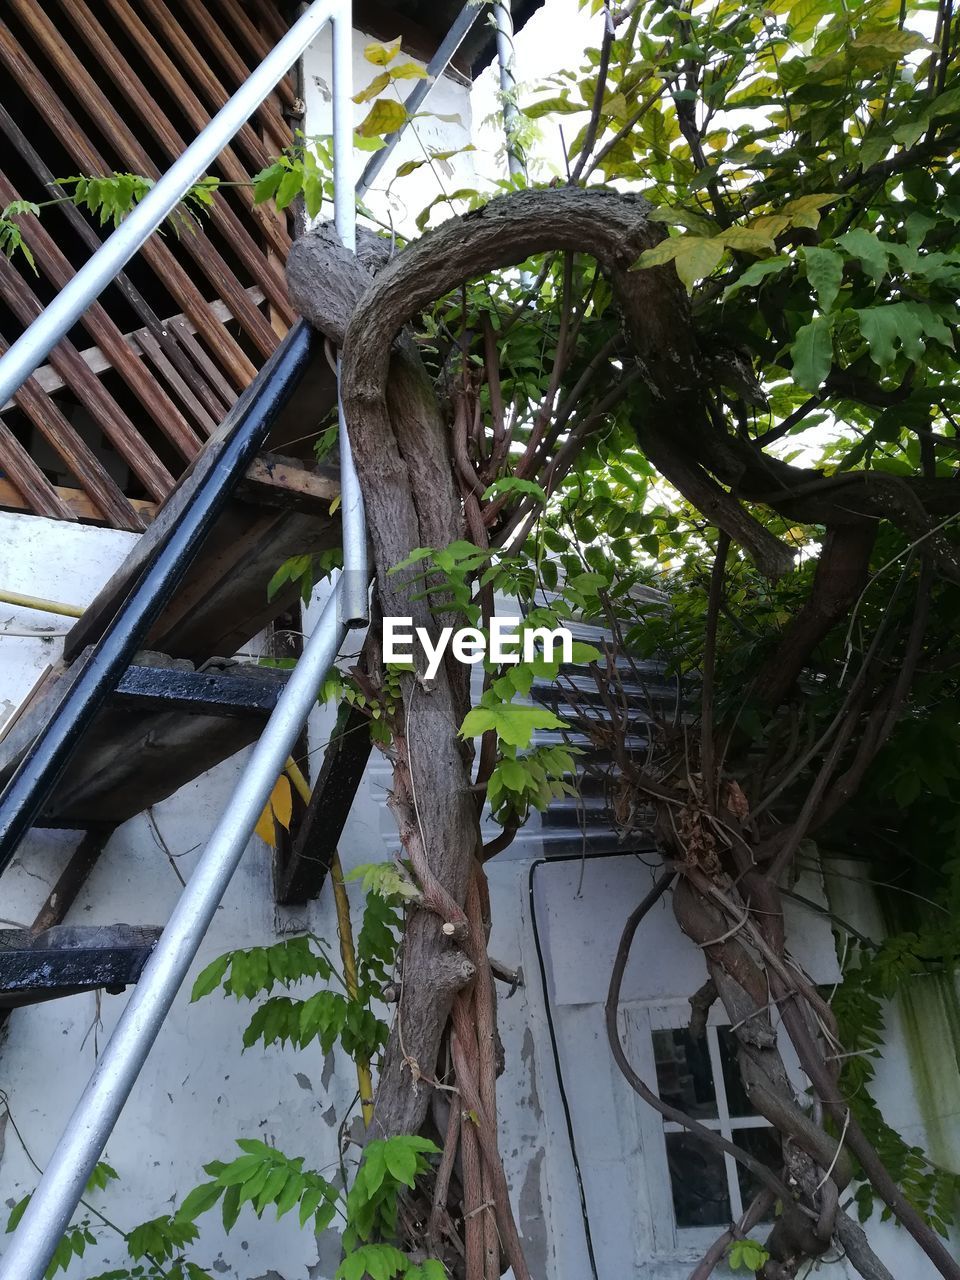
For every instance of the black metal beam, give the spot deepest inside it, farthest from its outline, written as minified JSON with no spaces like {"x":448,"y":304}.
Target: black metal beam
{"x":301,"y":868}
{"x":68,"y":959}
{"x":244,"y":431}
{"x":202,"y":693}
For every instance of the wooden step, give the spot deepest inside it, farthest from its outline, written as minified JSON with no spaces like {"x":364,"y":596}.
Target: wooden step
{"x":69,"y":959}
{"x":146,"y":744}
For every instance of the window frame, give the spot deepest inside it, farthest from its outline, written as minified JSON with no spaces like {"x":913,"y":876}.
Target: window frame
{"x":638,"y":1022}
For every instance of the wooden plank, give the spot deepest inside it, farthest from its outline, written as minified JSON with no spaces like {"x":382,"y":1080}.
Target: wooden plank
{"x":108,"y":337}
{"x":223,"y":602}
{"x":302,"y":867}
{"x":235,"y":19}
{"x":113,"y":422}
{"x":76,"y":454}
{"x":78,"y":505}
{"x":154,"y":251}
{"x":201,"y":75}
{"x":68,"y":959}
{"x":222,"y":47}
{"x":151,"y":115}
{"x":176,"y":353}
{"x":52,"y":381}
{"x":152,"y":349}
{"x":68,"y":65}
{"x":38,"y":494}
{"x":272,"y":226}
{"x":274,"y":480}
{"x":72,"y":879}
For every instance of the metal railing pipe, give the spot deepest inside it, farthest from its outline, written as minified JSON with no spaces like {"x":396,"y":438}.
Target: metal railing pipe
{"x":355,"y":582}
{"x":462,"y":25}
{"x":36,"y":343}
{"x":53,"y":1203}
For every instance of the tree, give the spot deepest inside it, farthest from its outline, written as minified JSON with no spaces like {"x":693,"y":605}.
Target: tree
{"x":716,"y":360}
{"x":757,"y":237}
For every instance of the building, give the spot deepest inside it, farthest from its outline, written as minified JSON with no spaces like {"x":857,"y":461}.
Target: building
{"x":89,"y":452}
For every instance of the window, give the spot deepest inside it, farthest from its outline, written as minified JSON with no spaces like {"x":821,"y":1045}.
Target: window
{"x":699,"y":1075}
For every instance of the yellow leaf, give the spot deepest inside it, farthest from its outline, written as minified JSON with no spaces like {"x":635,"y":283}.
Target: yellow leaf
{"x":770,"y":226}
{"x":408,"y":71}
{"x":266,"y":827}
{"x":748,"y":240}
{"x":373,"y":88}
{"x":281,"y":801}
{"x":334,"y":506}
{"x":384,"y":117}
{"x":805,"y":210}
{"x":381,"y":54}
{"x":696,"y":257}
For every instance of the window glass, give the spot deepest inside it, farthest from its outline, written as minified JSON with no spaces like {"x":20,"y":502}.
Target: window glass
{"x":698,"y":1180}
{"x":763,"y":1144}
{"x":738,"y":1104}
{"x":684,"y":1077}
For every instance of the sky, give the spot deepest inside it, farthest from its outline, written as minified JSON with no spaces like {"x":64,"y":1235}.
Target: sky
{"x":553,"y":39}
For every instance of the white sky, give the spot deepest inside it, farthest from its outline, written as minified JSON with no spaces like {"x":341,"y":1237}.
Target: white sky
{"x":553,"y":39}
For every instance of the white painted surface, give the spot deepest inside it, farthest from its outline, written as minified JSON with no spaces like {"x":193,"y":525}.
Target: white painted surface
{"x":429,"y":133}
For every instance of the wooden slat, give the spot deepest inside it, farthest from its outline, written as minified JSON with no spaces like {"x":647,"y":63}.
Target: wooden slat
{"x":191,"y":106}
{"x":125,"y":80}
{"x":97,"y":362}
{"x":65,"y":358}
{"x":273,"y":480}
{"x":77,"y":505}
{"x":78,"y":457}
{"x":107,"y":336}
{"x":221,"y":44}
{"x":154,"y":251}
{"x":235,"y":19}
{"x":175,"y":352}
{"x":23,"y":472}
{"x":200,"y":74}
{"x":69,"y":66}
{"x":152,"y":349}
{"x":203,"y":360}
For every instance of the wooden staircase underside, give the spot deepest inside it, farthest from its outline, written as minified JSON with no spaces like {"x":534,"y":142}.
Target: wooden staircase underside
{"x":146,"y":744}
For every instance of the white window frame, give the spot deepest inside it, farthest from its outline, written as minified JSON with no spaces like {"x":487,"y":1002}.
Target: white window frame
{"x":638,"y":1021}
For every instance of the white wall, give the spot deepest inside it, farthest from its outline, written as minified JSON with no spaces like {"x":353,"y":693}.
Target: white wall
{"x":408,"y":195}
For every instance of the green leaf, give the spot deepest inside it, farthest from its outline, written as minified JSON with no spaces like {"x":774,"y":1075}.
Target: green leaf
{"x":825,"y":273}
{"x":515,"y":725}
{"x":210,"y":978}
{"x":200,"y":1199}
{"x":16,"y":1213}
{"x":755,"y":273}
{"x":290,"y":186}
{"x":381,"y":54}
{"x":513,"y":484}
{"x":376,"y":85}
{"x":408,"y":71}
{"x":868,"y":250}
{"x":812,"y":354}
{"x":693,"y":256}
{"x":385,"y":116}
